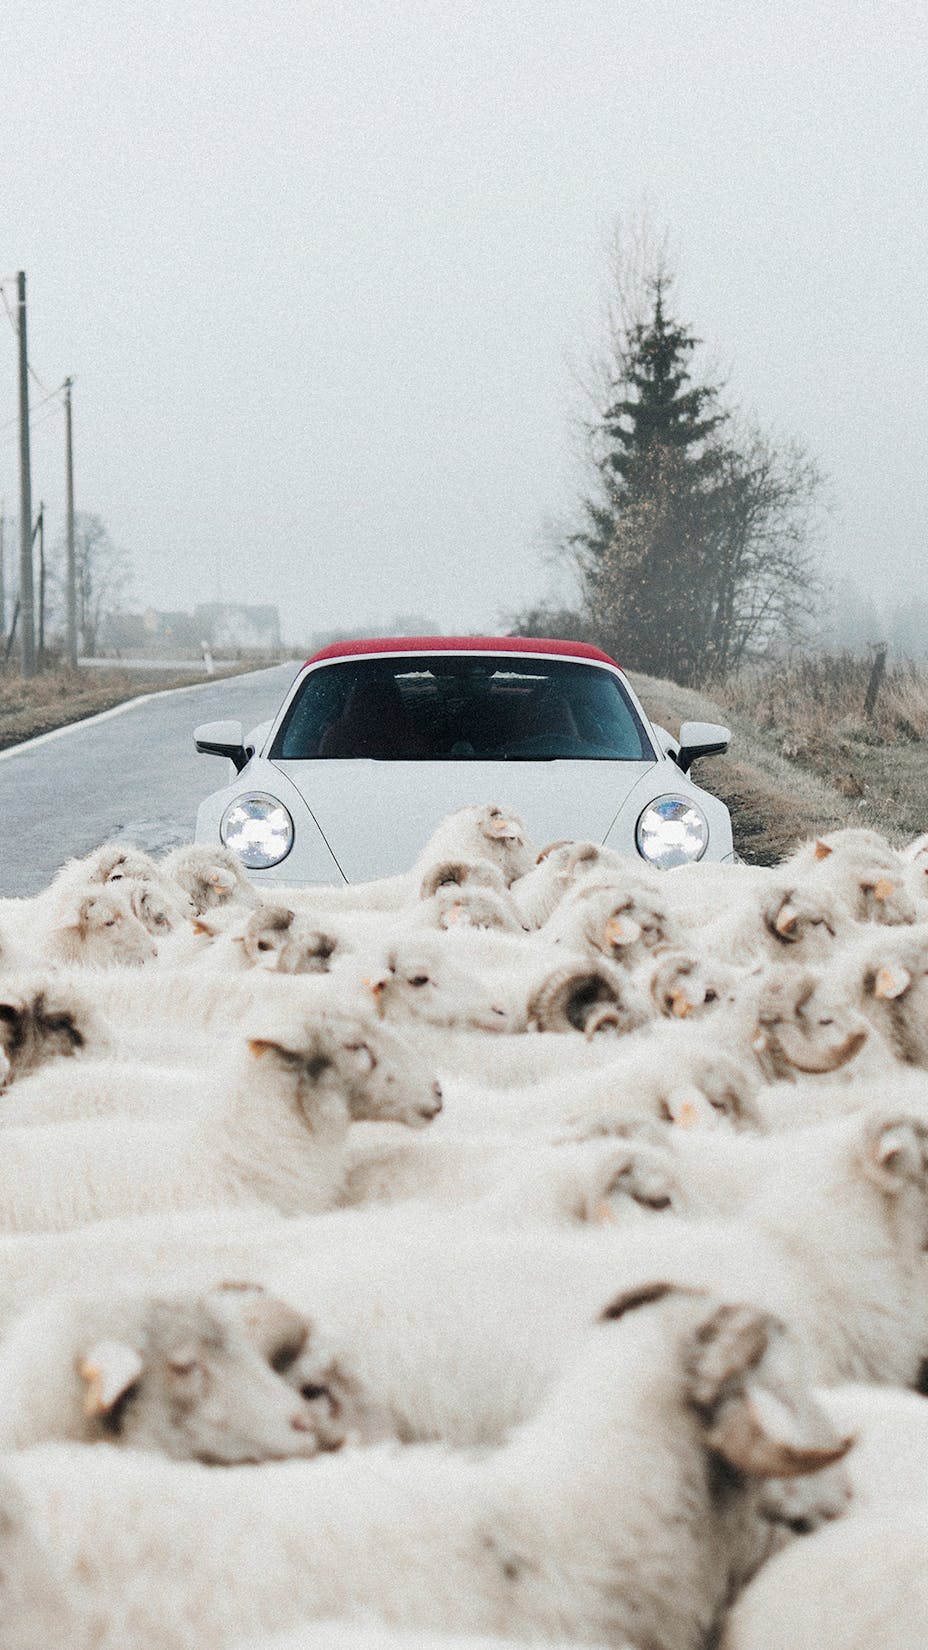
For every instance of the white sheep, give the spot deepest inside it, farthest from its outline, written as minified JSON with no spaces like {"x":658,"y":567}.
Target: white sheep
{"x":861,"y":1585}
{"x":367,"y":1634}
{"x":101,"y":931}
{"x":860,"y":868}
{"x":559,"y":869}
{"x":192,"y":1376}
{"x":278,"y":1137}
{"x":624,"y":924}
{"x":597,"y":1519}
{"x":210,"y":875}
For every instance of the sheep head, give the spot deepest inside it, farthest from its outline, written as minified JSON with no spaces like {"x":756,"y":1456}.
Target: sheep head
{"x":41,"y":1023}
{"x":211,"y":875}
{"x":374,"y":1074}
{"x":893,"y":1151}
{"x":800,"y":1028}
{"x":103,"y":932}
{"x":582,"y":998}
{"x":420,"y":980}
{"x":204,"y":1378}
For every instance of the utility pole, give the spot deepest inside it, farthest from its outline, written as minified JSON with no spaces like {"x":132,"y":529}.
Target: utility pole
{"x":26,"y":596}
{"x":71,"y":577}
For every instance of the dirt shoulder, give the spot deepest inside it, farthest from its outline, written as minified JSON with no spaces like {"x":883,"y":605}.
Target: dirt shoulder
{"x":774,"y":803}
{"x":57,"y":697}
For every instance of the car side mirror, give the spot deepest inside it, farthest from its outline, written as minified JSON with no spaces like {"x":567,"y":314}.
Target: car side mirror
{"x":221,"y":739}
{"x":701,"y":739}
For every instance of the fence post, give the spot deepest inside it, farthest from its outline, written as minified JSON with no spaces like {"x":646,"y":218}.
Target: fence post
{"x":876,"y":677}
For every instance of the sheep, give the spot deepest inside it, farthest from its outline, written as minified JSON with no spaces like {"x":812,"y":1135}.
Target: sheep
{"x":486,"y":832}
{"x":210,"y":876}
{"x":861,"y":1585}
{"x":43,"y":1019}
{"x":503,"y":1181}
{"x":884,"y":974}
{"x":588,"y":997}
{"x":268,"y":936}
{"x":376,"y":1635}
{"x":623,"y":924}
{"x":374,"y":1059}
{"x":795,"y":1020}
{"x":559,"y":868}
{"x":602,"y":1516}
{"x":853,"y":1290}
{"x":462,"y":873}
{"x":278,"y":1137}
{"x":103,"y":931}
{"x":470,"y":906}
{"x":861,"y":869}
{"x":889,"y":1465}
{"x":682,"y":982}
{"x":420,"y":981}
{"x":195,"y":1377}
{"x":673,"y":1073}
{"x":785,"y":920}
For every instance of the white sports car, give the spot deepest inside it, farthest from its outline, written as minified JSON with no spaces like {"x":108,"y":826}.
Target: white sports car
{"x":378,"y":740}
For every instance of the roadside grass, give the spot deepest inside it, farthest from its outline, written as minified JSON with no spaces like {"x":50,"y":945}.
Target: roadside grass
{"x":60,"y":696}
{"x":804,"y":757}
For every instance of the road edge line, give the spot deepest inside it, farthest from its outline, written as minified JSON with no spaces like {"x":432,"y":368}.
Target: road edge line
{"x":26,"y":745}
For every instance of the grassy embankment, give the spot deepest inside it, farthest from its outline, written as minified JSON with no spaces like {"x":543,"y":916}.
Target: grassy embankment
{"x":804,"y":758}
{"x":49,"y":701}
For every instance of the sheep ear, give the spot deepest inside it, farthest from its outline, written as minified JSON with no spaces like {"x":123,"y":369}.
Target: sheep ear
{"x":896,"y":1152}
{"x":688,"y":1107}
{"x":621,"y":930}
{"x":786,"y":919}
{"x":822,"y":850}
{"x":891,"y":982}
{"x":884,"y":889}
{"x":564,"y":842}
{"x":503,"y":830}
{"x":109,"y":1370}
{"x":743,"y":1421}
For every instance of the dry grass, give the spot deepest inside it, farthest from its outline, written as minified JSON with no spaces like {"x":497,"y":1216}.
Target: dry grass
{"x":59,"y":696}
{"x":804,"y":757}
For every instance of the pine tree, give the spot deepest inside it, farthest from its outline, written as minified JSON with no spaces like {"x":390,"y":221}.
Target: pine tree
{"x":657,"y":471}
{"x":695,"y":546}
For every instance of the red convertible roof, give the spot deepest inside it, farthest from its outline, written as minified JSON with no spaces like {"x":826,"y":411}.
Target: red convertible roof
{"x":460,"y":644}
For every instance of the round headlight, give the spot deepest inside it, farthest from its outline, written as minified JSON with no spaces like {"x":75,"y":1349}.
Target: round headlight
{"x":259,"y":829}
{"x":672,"y":831}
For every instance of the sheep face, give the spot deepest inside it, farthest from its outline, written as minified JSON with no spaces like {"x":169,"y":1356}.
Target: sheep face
{"x":480,"y":833}
{"x":623,"y":925}
{"x":264,"y":935}
{"x":105,"y":933}
{"x":37,"y":1026}
{"x":892,"y":985}
{"x":420,"y":981}
{"x":683,"y":985}
{"x":384,"y":1078}
{"x":157,"y":908}
{"x":203,"y":1379}
{"x":334,"y":1062}
{"x":473,"y":907}
{"x":803,"y":1027}
{"x":797,"y":920}
{"x":210,"y":875}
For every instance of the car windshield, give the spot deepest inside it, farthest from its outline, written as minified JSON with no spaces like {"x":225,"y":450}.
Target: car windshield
{"x":462,"y":708}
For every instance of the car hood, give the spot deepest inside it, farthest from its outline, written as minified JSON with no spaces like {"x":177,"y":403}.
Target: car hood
{"x":377,"y":816}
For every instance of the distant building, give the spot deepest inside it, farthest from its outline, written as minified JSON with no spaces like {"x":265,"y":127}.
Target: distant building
{"x":225,"y":627}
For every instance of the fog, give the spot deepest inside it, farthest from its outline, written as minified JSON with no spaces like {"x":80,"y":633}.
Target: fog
{"x":323,"y":274}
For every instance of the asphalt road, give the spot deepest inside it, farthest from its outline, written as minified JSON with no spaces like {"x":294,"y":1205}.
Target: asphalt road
{"x":129,"y":777}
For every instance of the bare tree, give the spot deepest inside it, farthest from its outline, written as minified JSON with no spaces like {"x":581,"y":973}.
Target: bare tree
{"x":103,"y":576}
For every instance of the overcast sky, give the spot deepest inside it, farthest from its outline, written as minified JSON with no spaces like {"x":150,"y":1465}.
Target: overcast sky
{"x":320,"y":271}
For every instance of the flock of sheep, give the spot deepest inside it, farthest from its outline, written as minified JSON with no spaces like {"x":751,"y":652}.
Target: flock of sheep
{"x":529,"y":1248}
